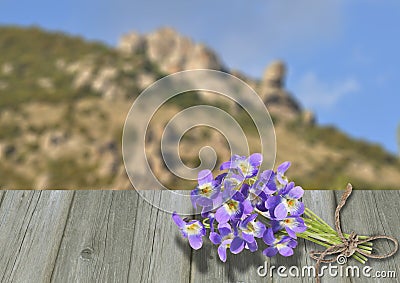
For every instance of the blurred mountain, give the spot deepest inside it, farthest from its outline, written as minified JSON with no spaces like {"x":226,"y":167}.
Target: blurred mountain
{"x":63,"y":103}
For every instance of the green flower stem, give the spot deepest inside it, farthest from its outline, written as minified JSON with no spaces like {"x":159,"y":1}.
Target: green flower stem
{"x":320,"y":233}
{"x":206,"y":225}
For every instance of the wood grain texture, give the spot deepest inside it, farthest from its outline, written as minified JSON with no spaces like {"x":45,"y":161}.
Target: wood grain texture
{"x":117,"y":236}
{"x":97,"y":241}
{"x":374,"y":213}
{"x":31,"y":228}
{"x":159,"y":254}
{"x":323,"y":203}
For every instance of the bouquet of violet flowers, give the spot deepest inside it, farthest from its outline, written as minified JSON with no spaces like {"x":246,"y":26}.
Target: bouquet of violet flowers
{"x":242,"y":206}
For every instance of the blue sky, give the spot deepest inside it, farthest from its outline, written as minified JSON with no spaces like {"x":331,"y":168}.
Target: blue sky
{"x":342,"y":55}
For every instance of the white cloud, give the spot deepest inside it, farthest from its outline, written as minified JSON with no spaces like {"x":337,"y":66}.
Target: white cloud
{"x":314,"y":93}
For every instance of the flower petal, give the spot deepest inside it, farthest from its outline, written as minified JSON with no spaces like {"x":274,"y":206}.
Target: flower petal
{"x":270,"y":251}
{"x":203,"y":201}
{"x":222,"y":216}
{"x":292,"y":243}
{"x":222,"y":252}
{"x":195,"y":241}
{"x":291,"y":233}
{"x":249,"y":238}
{"x":260,"y":229}
{"x":206,"y":212}
{"x":237,"y":245}
{"x":252,"y":246}
{"x":280,"y":211}
{"x":224,"y":229}
{"x":269,"y":237}
{"x":255,"y":159}
{"x":296,"y":193}
{"x":285,"y":251}
{"x":288,"y":187}
{"x":247,"y":207}
{"x":273,"y":201}
{"x":297,"y":209}
{"x":215,"y":238}
{"x":204,"y":177}
{"x":283,"y":167}
{"x":225,"y":165}
{"x":178,"y":220}
{"x":248,"y":219}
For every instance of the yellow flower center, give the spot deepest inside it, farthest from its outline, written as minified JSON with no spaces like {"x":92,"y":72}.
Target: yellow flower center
{"x":280,"y":246}
{"x":232,"y":205}
{"x":192,"y":228}
{"x":288,"y":220}
{"x":250,"y":227}
{"x":244,"y":166}
{"x":206,"y":190}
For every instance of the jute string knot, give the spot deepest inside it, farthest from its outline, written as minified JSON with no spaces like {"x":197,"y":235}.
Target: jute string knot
{"x":349,"y":246}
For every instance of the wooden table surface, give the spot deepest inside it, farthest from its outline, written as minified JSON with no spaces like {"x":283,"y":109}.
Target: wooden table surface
{"x":116,"y":236}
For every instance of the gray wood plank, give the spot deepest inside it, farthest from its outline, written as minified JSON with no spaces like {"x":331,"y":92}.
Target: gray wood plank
{"x":116,"y":236}
{"x":159,"y":252}
{"x":97,"y":240}
{"x":31,"y":228}
{"x":374,"y":213}
{"x":322,"y":203}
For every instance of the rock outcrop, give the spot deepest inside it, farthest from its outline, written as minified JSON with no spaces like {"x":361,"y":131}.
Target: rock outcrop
{"x":278,"y":100}
{"x":170,"y":51}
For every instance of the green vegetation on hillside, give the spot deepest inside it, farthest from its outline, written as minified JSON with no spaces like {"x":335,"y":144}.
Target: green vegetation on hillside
{"x":333,"y":174}
{"x":33,"y":55}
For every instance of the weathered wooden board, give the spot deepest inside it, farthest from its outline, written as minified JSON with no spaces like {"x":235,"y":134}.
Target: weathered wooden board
{"x":97,"y":238}
{"x":158,"y":252}
{"x":374,"y":213}
{"x":323,"y":203}
{"x":117,"y":236}
{"x":31,"y":228}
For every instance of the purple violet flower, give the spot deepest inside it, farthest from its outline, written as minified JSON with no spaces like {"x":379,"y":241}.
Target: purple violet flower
{"x":281,"y":179}
{"x":251,"y":228}
{"x":245,"y":232}
{"x":266,"y":182}
{"x":283,"y":245}
{"x":256,"y":196}
{"x":247,"y":167}
{"x":233,"y":209}
{"x":193,"y":230}
{"x":223,"y":239}
{"x":207,"y":190}
{"x":232,"y":185}
{"x":292,"y":225}
{"x":287,"y":201}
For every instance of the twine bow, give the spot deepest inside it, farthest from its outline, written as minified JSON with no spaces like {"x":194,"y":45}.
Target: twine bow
{"x":348,"y":246}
